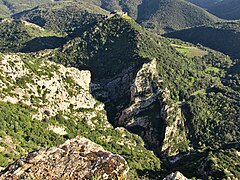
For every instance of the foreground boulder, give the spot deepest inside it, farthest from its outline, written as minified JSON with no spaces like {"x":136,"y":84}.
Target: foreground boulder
{"x":78,"y":158}
{"x":175,"y":176}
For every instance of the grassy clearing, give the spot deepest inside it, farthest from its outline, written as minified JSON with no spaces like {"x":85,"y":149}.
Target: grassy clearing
{"x":189,"y":51}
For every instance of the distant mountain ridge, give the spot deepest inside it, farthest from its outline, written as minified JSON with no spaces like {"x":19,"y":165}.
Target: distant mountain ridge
{"x":223,"y":37}
{"x":9,"y":7}
{"x":159,"y":16}
{"x":226,"y":9}
{"x":162,"y":15}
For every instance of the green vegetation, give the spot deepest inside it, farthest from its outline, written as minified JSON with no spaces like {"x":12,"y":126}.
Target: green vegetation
{"x":190,"y":51}
{"x":65,"y":17}
{"x":222,"y":37}
{"x":161,"y":15}
{"x":31,"y":134}
{"x":94,"y":49}
{"x":226,"y":9}
{"x":26,"y":134}
{"x":8,"y":7}
{"x":219,"y":164}
{"x":169,"y":15}
{"x":203,"y":83}
{"x":19,"y":35}
{"x":214,"y":118}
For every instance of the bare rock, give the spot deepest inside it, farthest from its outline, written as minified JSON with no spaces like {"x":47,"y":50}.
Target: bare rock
{"x":176,"y":176}
{"x":78,"y":158}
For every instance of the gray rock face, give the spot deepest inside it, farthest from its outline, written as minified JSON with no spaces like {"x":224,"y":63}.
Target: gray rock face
{"x":78,"y":158}
{"x":48,"y":90}
{"x":176,"y":176}
{"x":144,"y":115}
{"x":135,"y":99}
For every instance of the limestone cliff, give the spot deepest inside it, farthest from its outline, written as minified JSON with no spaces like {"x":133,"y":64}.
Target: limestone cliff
{"x":136,"y":100}
{"x":78,"y":158}
{"x":45,"y":86}
{"x":144,"y":115}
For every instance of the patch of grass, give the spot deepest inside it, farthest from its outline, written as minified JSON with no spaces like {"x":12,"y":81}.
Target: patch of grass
{"x":190,"y":51}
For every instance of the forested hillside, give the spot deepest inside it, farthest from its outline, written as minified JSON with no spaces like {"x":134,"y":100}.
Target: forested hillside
{"x":64,"y":17}
{"x":226,"y":9}
{"x":222,"y":37}
{"x":159,"y":16}
{"x":163,"y":15}
{"x":19,"y":35}
{"x":170,"y":15}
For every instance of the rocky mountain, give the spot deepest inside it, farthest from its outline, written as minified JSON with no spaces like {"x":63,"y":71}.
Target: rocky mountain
{"x":226,"y":9}
{"x":44,"y":104}
{"x":223,"y":37}
{"x":149,"y":91}
{"x":162,"y":104}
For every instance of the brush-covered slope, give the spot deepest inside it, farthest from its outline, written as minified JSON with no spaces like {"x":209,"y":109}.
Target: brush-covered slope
{"x":4,"y":11}
{"x":167,"y":92}
{"x":65,"y":16}
{"x":19,"y":35}
{"x":222,"y":37}
{"x":8,"y":7}
{"x":42,"y":104}
{"x":226,"y":9}
{"x":172,"y":15}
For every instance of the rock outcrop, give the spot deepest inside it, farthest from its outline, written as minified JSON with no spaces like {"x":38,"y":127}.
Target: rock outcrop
{"x":144,"y":116}
{"x":45,"y":86}
{"x":175,"y":137}
{"x":136,"y":100}
{"x":56,"y":104}
{"x":176,"y":176}
{"x":78,"y":158}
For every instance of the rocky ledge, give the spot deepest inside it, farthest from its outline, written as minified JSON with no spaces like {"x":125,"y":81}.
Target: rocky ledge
{"x":78,"y":158}
{"x":175,"y":176}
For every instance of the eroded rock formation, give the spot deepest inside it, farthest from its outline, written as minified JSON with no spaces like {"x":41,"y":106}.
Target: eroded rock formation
{"x":78,"y":158}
